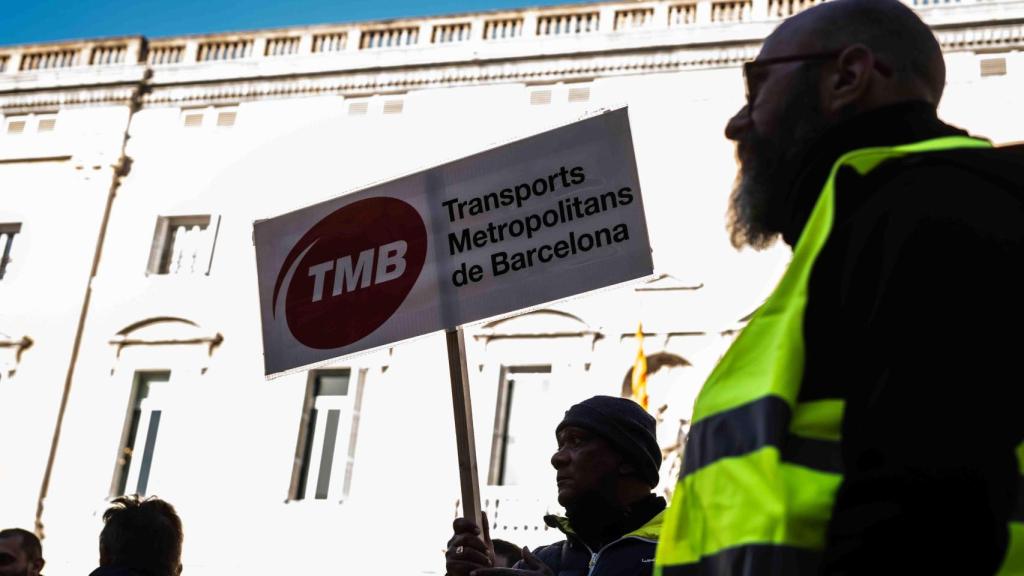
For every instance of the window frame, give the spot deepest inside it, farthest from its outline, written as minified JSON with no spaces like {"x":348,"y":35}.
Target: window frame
{"x":139,"y":413}
{"x":10,"y":229}
{"x":302,"y":488}
{"x":161,"y":242}
{"x":31,"y":123}
{"x":499,"y":438}
{"x":210,"y":117}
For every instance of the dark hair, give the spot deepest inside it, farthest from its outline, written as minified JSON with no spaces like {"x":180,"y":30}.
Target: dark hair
{"x":29,"y":543}
{"x":143,"y":535}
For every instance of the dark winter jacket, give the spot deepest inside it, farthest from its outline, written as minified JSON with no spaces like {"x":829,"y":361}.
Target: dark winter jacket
{"x":631,"y":554}
{"x":915,"y":319}
{"x":114,"y":571}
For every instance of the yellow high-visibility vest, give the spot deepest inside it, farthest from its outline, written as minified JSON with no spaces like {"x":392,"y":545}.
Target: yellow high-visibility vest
{"x":761,"y":470}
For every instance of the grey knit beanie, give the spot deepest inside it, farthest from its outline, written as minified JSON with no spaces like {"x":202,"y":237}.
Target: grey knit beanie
{"x":624,"y":424}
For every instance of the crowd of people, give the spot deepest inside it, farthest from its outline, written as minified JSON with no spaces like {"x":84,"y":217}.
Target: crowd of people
{"x":140,"y":537}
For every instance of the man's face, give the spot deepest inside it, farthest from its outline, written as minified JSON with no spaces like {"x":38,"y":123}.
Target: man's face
{"x":773,"y":136}
{"x":586,"y":465}
{"x":13,"y":560}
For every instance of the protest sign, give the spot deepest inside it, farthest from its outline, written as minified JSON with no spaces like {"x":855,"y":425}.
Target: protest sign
{"x":529,"y":222}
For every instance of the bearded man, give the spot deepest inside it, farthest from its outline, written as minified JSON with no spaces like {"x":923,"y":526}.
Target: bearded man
{"x":866,"y":419}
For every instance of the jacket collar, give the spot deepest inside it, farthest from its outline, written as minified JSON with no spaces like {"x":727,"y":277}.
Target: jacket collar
{"x":113,"y":571}
{"x":889,"y":126}
{"x":649,"y":530}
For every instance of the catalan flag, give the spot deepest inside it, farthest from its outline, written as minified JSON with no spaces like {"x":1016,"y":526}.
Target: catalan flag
{"x":639,"y":389}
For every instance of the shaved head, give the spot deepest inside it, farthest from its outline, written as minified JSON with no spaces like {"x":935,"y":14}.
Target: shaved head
{"x":889,"y":28}
{"x":818,"y":69}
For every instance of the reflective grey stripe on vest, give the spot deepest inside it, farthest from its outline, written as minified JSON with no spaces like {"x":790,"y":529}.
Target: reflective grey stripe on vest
{"x":752,"y":560}
{"x":1017,"y":514}
{"x":751,"y":427}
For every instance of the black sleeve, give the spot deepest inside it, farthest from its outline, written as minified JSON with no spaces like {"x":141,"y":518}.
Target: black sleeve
{"x":550,"y":555}
{"x":929,"y":434}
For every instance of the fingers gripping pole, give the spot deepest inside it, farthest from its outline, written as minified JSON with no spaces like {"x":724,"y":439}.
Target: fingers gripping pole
{"x":464,"y":438}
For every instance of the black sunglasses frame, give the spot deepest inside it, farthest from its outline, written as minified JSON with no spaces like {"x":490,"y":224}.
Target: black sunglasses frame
{"x":749,"y":67}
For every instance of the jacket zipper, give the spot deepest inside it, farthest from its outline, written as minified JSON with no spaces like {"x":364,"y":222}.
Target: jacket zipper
{"x":594,"y":555}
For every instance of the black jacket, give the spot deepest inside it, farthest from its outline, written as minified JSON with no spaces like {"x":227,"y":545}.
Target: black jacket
{"x":114,"y":571}
{"x":627,"y":551}
{"x":915,"y":318}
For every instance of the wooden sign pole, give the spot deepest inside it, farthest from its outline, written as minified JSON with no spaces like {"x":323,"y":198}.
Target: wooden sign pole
{"x":464,"y":438}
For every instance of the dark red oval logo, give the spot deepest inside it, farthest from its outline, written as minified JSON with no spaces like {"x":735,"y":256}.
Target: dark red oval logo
{"x":351,"y":271}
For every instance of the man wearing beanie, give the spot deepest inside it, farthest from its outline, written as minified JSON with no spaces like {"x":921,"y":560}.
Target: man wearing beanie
{"x":607,"y":461}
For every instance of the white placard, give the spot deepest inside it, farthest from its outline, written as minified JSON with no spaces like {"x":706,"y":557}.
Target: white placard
{"x":532,"y":221}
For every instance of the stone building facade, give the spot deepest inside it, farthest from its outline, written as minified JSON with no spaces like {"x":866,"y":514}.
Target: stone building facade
{"x":132,"y":169}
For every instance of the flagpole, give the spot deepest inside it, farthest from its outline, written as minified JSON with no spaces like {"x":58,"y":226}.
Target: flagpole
{"x":464,"y":438}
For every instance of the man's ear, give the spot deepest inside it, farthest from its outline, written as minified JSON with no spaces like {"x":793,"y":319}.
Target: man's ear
{"x":850,"y":80}
{"x":38,"y":564}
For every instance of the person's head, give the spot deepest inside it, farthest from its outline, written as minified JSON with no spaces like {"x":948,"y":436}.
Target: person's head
{"x":143,"y":535}
{"x":608,"y":450}
{"x":20,"y":553}
{"x":818,"y":68}
{"x":506,"y":554}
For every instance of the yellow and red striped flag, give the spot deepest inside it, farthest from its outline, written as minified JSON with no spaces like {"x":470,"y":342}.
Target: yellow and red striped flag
{"x":639,"y":388}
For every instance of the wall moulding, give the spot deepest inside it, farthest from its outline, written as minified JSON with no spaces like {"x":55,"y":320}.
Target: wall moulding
{"x":11,"y":350}
{"x":19,"y":102}
{"x":258,"y":81}
{"x":579,"y":67}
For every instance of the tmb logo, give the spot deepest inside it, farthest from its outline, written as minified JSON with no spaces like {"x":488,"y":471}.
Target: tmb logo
{"x":351,"y":271}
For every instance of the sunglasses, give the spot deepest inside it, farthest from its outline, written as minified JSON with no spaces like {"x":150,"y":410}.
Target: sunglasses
{"x":752,"y":77}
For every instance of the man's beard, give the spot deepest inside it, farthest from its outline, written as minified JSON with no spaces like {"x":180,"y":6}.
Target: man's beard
{"x":769,"y":168}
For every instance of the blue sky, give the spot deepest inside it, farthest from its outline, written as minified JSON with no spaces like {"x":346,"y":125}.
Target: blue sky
{"x":26,"y":21}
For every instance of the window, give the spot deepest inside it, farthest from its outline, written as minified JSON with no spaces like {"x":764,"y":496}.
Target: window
{"x":993,"y":67}
{"x":555,"y":95}
{"x":327,"y":436}
{"x":141,"y":428}
{"x":26,"y":123}
{"x":192,"y":118}
{"x":540,"y":97}
{"x":183,"y":245}
{"x":7,"y":233}
{"x":579,"y":94}
{"x":16,"y":124}
{"x":47,"y":122}
{"x":226,"y":117}
{"x":210,"y":116}
{"x":527,"y":413}
{"x":386,"y":105}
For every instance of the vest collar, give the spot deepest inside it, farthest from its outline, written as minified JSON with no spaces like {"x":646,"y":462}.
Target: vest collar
{"x":889,"y":126}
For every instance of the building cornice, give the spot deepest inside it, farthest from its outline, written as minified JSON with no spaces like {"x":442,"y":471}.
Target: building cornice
{"x":542,"y":69}
{"x":117,"y":67}
{"x":17,"y":102}
{"x":577,"y":67}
